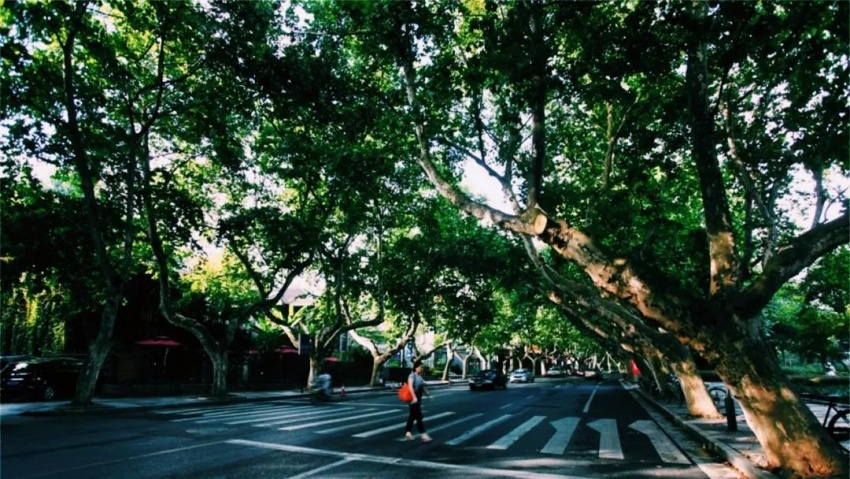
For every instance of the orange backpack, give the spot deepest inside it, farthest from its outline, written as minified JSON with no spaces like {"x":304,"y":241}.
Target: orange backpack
{"x":405,"y":394}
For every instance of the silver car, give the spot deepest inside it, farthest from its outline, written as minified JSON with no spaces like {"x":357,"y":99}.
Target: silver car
{"x":522,"y":376}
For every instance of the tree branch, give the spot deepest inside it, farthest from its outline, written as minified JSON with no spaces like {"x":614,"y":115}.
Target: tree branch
{"x":789,"y":261}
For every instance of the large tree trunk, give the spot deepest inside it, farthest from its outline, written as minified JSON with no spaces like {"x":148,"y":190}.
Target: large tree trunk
{"x":786,"y":428}
{"x":666,"y":350}
{"x":98,"y":351}
{"x":696,"y":394}
{"x":449,"y":357}
{"x":315,"y":367}
{"x":219,"y":380}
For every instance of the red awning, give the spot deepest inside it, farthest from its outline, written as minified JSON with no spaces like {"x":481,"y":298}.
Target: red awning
{"x":160,"y":341}
{"x":286,"y":350}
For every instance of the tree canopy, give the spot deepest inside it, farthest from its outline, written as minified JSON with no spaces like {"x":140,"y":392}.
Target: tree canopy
{"x":674,"y":173}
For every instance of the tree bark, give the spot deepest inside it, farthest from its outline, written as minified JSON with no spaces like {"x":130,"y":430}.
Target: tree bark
{"x":113,"y":278}
{"x":219,"y":361}
{"x":698,"y":400}
{"x":798,"y":441}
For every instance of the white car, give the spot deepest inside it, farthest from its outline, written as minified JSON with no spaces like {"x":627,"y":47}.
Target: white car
{"x":556,"y":372}
{"x":522,"y":376}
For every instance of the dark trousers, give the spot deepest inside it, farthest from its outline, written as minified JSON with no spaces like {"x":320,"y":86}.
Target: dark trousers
{"x":415,"y":414}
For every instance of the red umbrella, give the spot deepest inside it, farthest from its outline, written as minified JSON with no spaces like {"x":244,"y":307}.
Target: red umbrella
{"x":331,"y":359}
{"x":160,"y":341}
{"x":286,"y":350}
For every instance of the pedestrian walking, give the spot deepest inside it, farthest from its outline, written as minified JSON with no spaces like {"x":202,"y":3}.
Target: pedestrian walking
{"x":414,"y":414}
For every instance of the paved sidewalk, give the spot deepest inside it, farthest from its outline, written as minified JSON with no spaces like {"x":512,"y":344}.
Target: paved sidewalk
{"x":740,"y":449}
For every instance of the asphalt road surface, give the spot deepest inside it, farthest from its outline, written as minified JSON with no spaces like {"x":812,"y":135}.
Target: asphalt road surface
{"x":547,"y":429}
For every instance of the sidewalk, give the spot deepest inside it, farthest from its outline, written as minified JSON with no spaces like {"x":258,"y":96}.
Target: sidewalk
{"x":740,"y":448}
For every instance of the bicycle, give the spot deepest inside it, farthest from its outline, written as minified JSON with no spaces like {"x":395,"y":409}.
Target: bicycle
{"x":650,"y":387}
{"x":837,"y":417}
{"x":718,"y":396}
{"x":672,"y":390}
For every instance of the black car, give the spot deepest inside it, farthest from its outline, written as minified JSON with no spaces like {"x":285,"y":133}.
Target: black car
{"x":40,"y":378}
{"x":488,"y":379}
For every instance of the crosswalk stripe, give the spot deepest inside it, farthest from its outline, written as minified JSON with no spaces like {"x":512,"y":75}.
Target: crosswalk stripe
{"x":393,"y":427}
{"x":507,"y":440}
{"x":268,"y":416}
{"x":353,"y":426}
{"x":609,"y":438}
{"x":253,"y":415}
{"x":478,"y":430}
{"x":330,"y":421}
{"x":215,"y":409}
{"x":564,"y":429}
{"x":450,"y":424}
{"x":305,"y":416}
{"x":300,"y":416}
{"x":219,"y":412}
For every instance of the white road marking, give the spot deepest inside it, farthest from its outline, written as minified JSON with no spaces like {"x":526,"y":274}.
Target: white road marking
{"x":397,"y":426}
{"x":510,"y":438}
{"x":223,"y":413}
{"x":478,"y":430}
{"x":662,"y":444}
{"x":450,"y":424}
{"x":609,"y":438}
{"x":215,"y":409}
{"x":331,"y":421}
{"x":564,"y":429}
{"x":359,"y":424}
{"x":396,"y":461}
{"x":320,"y":469}
{"x":299,"y":417}
{"x":589,"y":400}
{"x":268,"y":416}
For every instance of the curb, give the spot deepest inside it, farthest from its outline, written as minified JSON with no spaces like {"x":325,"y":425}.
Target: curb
{"x":735,"y":458}
{"x":100,"y":406}
{"x":718,"y":448}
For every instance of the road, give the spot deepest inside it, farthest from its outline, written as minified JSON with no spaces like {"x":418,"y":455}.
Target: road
{"x":547,"y":429}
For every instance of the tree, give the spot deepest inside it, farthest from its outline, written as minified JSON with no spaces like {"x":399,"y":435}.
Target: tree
{"x":567,"y":70}
{"x":47,"y":268}
{"x":88,"y":94}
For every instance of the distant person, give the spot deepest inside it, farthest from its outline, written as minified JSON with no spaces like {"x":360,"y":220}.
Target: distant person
{"x":323,"y":387}
{"x":830,"y":370}
{"x":417,"y":385}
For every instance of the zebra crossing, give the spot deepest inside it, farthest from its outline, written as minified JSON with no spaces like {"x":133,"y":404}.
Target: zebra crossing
{"x":450,"y":428}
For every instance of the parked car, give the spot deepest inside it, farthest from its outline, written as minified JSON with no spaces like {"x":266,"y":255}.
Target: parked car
{"x":488,"y":379}
{"x":556,"y":372}
{"x":522,"y":376}
{"x":40,"y":378}
{"x":7,"y":360}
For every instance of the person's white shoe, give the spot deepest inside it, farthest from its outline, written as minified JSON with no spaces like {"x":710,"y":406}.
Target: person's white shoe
{"x":408,"y":436}
{"x":425,"y":437}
